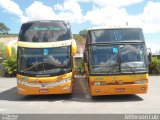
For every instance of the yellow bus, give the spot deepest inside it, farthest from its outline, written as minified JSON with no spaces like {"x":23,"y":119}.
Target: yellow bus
{"x":45,"y":51}
{"x":116,"y":61}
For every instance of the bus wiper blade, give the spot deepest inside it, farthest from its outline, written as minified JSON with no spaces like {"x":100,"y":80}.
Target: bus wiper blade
{"x":51,"y":63}
{"x":108,"y":69}
{"x":34,"y":65}
{"x":130,"y":68}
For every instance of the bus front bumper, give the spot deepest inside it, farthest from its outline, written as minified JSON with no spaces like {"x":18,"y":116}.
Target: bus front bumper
{"x":119,"y":89}
{"x":60,"y":89}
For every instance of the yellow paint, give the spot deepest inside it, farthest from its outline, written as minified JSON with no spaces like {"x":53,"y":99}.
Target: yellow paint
{"x":44,"y":79}
{"x":112,"y":89}
{"x":125,"y":78}
{"x":124,"y":82}
{"x":60,"y":89}
{"x":45,"y":44}
{"x":27,"y":90}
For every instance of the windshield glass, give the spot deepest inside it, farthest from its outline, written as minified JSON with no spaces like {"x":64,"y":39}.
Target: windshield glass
{"x":45,"y":31}
{"x":104,"y":59}
{"x":44,"y":60}
{"x":110,"y":35}
{"x":113,"y":59}
{"x":133,"y":58}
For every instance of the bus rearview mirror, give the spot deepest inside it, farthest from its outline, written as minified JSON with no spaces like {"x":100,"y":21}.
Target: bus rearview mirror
{"x":74,"y":48}
{"x":149,"y":54}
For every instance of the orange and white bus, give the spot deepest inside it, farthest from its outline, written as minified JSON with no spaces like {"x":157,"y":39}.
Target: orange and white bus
{"x":116,"y":61}
{"x":45,"y":51}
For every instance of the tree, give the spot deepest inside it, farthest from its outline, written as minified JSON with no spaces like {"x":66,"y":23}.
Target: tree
{"x":3,"y":28}
{"x":83,"y":33}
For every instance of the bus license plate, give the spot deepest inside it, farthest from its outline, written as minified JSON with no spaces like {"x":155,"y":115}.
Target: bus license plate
{"x":43,"y":90}
{"x":120,"y":89}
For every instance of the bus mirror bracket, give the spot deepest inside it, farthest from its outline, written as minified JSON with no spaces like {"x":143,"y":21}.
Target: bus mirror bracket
{"x":74,"y":48}
{"x":149,"y":55}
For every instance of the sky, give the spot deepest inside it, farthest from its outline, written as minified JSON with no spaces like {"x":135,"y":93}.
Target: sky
{"x":84,"y":14}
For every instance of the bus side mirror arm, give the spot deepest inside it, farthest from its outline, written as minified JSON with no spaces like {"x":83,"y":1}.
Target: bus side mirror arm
{"x":149,"y":55}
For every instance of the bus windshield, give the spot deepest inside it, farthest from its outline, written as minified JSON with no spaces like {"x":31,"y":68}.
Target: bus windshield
{"x":113,"y":35}
{"x":113,"y":59}
{"x":44,"y":31}
{"x":35,"y":61}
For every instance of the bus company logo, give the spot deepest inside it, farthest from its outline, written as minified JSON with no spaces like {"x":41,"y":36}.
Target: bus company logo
{"x":37,"y":81}
{"x":40,"y":82}
{"x":117,"y":82}
{"x":43,"y":85}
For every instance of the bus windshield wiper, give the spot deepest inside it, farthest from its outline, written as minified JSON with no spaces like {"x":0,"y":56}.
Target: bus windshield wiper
{"x":130,"y":68}
{"x":107,"y":68}
{"x":51,"y":63}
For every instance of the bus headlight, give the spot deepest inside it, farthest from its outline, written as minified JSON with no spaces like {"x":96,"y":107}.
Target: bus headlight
{"x":21,"y":82}
{"x":140,"y":82}
{"x":100,"y":83}
{"x":33,"y":84}
{"x":61,"y":82}
{"x":64,"y":81}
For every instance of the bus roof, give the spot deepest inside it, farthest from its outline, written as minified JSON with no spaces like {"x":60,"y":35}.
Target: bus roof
{"x":43,"y":21}
{"x":112,"y":27}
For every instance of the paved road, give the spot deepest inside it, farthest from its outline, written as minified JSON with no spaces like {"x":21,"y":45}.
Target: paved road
{"x":80,"y":101}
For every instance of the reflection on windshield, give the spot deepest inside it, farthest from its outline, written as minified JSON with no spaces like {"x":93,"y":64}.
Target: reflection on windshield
{"x":110,"y":35}
{"x":45,"y":31}
{"x":133,"y":58}
{"x":104,"y":59}
{"x":36,"y":61}
{"x":113,"y":59}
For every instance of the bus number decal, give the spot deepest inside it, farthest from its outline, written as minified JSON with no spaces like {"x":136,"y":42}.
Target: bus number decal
{"x":99,"y":78}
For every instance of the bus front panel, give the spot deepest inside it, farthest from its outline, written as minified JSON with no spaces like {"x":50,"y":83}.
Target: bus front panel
{"x":118,"y":84}
{"x":61,"y":84}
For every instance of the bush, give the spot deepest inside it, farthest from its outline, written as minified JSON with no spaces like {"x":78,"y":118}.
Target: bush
{"x":154,"y":66}
{"x":9,"y":63}
{"x":2,"y":50}
{"x":80,"y":68}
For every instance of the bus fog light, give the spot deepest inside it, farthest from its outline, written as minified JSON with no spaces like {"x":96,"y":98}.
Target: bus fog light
{"x":20,"y":89}
{"x":97,"y":90}
{"x":21,"y":82}
{"x":61,"y":82}
{"x":143,"y":88}
{"x":67,"y":88}
{"x":140,"y":82}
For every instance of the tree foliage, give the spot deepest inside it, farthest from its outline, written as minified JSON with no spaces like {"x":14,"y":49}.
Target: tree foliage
{"x":83,"y":33}
{"x":4,"y":28}
{"x":154,"y":66}
{"x":9,"y":63}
